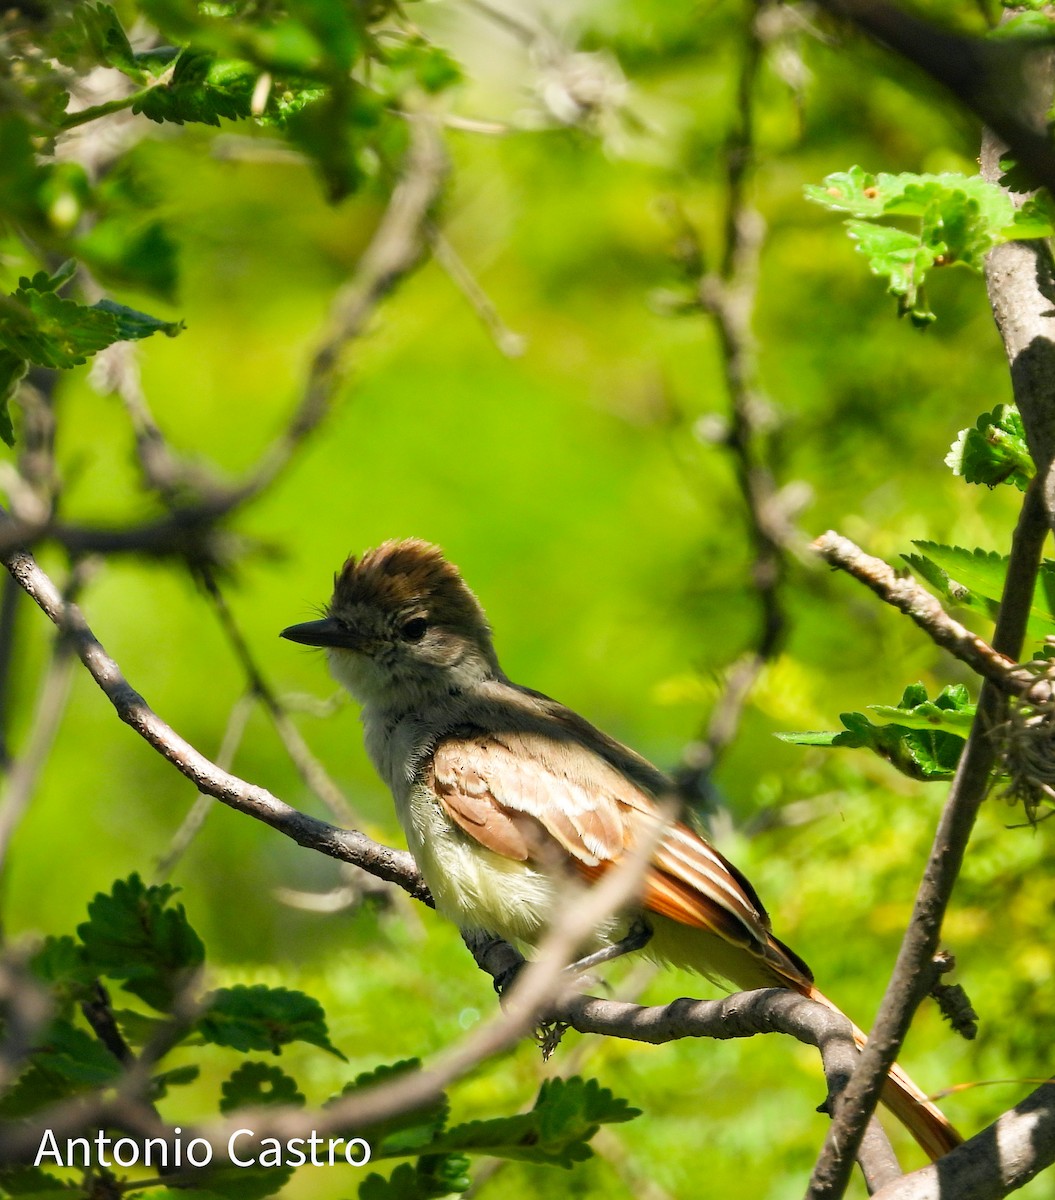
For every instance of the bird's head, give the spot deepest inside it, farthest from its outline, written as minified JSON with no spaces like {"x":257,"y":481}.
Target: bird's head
{"x":402,"y":627}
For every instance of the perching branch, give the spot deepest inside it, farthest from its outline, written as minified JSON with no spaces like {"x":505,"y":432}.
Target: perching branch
{"x":1002,"y":1158}
{"x":728,"y":1018}
{"x":347,"y":845}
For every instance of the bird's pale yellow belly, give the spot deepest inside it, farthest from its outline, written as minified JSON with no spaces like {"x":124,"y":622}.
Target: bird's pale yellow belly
{"x":472,"y":885}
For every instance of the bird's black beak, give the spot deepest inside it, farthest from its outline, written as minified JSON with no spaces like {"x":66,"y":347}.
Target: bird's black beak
{"x":327,"y":632}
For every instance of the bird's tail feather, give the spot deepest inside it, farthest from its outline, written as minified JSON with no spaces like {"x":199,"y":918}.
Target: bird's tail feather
{"x":920,"y":1116}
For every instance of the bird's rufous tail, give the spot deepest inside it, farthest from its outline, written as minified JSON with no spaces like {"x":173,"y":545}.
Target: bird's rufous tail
{"x":920,"y":1116}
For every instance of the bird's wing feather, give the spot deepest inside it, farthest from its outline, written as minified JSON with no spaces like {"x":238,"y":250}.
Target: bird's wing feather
{"x":519,"y":793}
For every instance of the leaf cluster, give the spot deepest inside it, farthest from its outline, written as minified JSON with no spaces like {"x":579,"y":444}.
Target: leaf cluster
{"x":330,"y":80}
{"x":137,"y":939}
{"x":931,"y":221}
{"x":922,"y":738}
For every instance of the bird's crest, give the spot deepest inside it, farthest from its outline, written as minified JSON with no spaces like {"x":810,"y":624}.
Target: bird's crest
{"x":405,"y":574}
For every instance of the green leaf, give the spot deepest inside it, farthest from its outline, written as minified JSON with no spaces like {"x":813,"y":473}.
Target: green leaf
{"x":76,"y":1055}
{"x":177,"y":1077}
{"x":922,"y":738}
{"x":66,"y":1061}
{"x":137,"y":1028}
{"x":39,"y":326}
{"x":994,"y":450}
{"x":960,"y":219}
{"x":135,"y":936}
{"x":430,"y":1178}
{"x":567,"y":1113}
{"x":808,"y":737}
{"x":975,"y":579}
{"x":203,"y":89}
{"x":28,"y":1182}
{"x":60,"y":963}
{"x":264,"y":1018}
{"x":257,"y":1083}
{"x":35,"y":1089}
{"x":404,"y":1133}
{"x":899,"y":257}
{"x":95,"y":37}
{"x":238,"y":1183}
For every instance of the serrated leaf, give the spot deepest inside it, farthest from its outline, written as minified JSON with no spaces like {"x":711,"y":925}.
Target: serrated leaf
{"x":137,"y":1028}
{"x":994,"y":450}
{"x":42,"y":327}
{"x":133,"y":935}
{"x":35,"y":1089}
{"x":264,"y":1018}
{"x":403,"y":1133}
{"x":961,"y":218}
{"x":899,"y":257}
{"x":241,"y":1183}
{"x":975,"y":579}
{"x":567,"y":1113}
{"x":27,"y":1182}
{"x":428,"y":1179}
{"x":256,"y":1083}
{"x":177,"y":1077}
{"x":76,"y":1055}
{"x":203,"y":90}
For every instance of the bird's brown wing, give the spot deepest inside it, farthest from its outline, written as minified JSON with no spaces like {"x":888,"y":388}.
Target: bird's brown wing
{"x":528,"y":797}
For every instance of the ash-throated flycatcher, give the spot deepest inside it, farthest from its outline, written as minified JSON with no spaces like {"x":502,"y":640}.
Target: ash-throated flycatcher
{"x":501,"y":791}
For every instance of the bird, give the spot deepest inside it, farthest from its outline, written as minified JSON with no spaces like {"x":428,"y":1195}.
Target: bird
{"x":504,"y":793}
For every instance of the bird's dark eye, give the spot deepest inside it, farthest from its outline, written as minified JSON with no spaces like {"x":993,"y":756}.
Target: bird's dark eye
{"x":414,"y":630}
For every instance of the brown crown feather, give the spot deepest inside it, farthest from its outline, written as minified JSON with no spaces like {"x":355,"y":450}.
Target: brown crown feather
{"x":404,"y":574}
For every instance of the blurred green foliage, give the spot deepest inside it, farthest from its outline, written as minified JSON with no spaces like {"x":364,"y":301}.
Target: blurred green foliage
{"x":579,"y":486}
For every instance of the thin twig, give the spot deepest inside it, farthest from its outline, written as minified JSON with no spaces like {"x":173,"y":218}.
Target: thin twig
{"x":47,"y":716}
{"x":308,"y":766}
{"x":729,"y":296}
{"x":905,"y":594}
{"x":509,"y":343}
{"x":203,"y":803}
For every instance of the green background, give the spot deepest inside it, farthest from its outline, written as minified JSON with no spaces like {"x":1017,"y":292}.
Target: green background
{"x":607,"y":541}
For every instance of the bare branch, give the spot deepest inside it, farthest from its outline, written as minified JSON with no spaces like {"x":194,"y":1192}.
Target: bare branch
{"x":509,"y":343}
{"x":905,"y":594}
